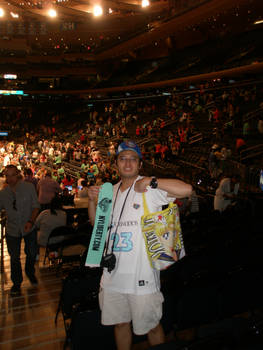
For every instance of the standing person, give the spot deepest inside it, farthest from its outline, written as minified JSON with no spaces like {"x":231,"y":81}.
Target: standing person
{"x":131,"y":292}
{"x":47,"y":188}
{"x":29,"y":177}
{"x":19,"y":200}
{"x":226,"y":192}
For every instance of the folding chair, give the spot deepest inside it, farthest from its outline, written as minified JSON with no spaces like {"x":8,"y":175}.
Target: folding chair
{"x":71,"y":251}
{"x":79,"y":306}
{"x":55,"y":239}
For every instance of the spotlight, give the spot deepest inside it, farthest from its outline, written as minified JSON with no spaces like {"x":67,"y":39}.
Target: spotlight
{"x":52,"y":13}
{"x":14,"y":15}
{"x":97,"y":10}
{"x":145,"y":3}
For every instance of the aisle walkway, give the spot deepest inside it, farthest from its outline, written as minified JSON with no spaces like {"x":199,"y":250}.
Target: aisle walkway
{"x":27,"y":321}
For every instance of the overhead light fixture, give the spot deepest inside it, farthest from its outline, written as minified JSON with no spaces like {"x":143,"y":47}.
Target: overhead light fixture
{"x":10,"y":76}
{"x":52,"y":13}
{"x":11,"y":92}
{"x":97,"y":10}
{"x":145,"y":3}
{"x":2,"y":12}
{"x":259,"y":22}
{"x":14,"y":15}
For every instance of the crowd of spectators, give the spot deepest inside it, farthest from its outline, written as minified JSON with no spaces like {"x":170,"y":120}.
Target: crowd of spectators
{"x":45,"y":169}
{"x":61,"y":164}
{"x":168,"y":125}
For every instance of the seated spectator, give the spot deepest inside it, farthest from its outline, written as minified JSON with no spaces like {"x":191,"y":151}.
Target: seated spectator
{"x":60,"y":173}
{"x":81,"y":201}
{"x":49,"y":219}
{"x":84,"y":166}
{"x":67,"y":197}
{"x":213,"y":161}
{"x":94,"y":169}
{"x":240,"y":144}
{"x":82,"y":177}
{"x":67,"y":181}
{"x":55,"y":175}
{"x":83,"y":192}
{"x":91,"y":175}
{"x":29,"y":177}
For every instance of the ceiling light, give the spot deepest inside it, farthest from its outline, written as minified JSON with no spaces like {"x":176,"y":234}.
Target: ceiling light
{"x":145,"y":3}
{"x":10,"y":76}
{"x":2,"y":12}
{"x":52,"y":13}
{"x":97,"y":10}
{"x":14,"y":15}
{"x":259,"y":22}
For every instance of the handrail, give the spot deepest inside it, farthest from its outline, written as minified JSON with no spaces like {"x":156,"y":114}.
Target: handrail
{"x":2,"y":237}
{"x":249,"y":152}
{"x":195,"y":138}
{"x":253,"y":155}
{"x":252,"y":114}
{"x":192,"y":165}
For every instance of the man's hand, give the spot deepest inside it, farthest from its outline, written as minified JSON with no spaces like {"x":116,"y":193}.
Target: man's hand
{"x":229,"y":196}
{"x":141,"y":185}
{"x":93,"y":193}
{"x":28,"y":226}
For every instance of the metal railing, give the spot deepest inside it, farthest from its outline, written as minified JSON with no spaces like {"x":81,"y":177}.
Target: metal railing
{"x":195,"y":138}
{"x":253,"y":114}
{"x":251,"y":152}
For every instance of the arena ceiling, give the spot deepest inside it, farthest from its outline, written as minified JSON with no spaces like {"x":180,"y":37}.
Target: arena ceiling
{"x":76,"y":43}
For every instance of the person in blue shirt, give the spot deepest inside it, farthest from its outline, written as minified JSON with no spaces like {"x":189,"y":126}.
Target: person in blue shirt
{"x":19,"y":200}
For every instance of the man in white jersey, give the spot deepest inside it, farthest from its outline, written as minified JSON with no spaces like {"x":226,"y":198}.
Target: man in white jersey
{"x":131,"y":291}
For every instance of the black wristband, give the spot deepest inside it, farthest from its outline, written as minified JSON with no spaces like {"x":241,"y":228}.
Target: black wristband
{"x":154,"y":183}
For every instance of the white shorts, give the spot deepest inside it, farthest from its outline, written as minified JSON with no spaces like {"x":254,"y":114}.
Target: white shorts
{"x":145,"y":311}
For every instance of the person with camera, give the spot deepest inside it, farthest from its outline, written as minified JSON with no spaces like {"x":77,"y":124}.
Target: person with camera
{"x":130,"y":287}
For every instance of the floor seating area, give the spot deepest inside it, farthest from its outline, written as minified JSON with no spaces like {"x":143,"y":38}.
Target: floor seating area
{"x":213,"y":296}
{"x":216,"y":289}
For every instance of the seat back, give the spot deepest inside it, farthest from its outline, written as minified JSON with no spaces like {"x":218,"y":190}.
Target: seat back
{"x":61,"y":231}
{"x":72,"y":250}
{"x":56,"y":237}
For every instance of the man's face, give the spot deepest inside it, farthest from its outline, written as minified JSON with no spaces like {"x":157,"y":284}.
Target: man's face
{"x":12,"y":176}
{"x":128,"y":163}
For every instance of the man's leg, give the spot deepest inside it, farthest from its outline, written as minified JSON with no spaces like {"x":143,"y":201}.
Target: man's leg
{"x":156,"y":335}
{"x":31,"y":252}
{"x":123,"y":336}
{"x":13,"y":246}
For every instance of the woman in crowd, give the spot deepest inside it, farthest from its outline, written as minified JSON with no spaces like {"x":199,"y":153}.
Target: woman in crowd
{"x":49,"y":219}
